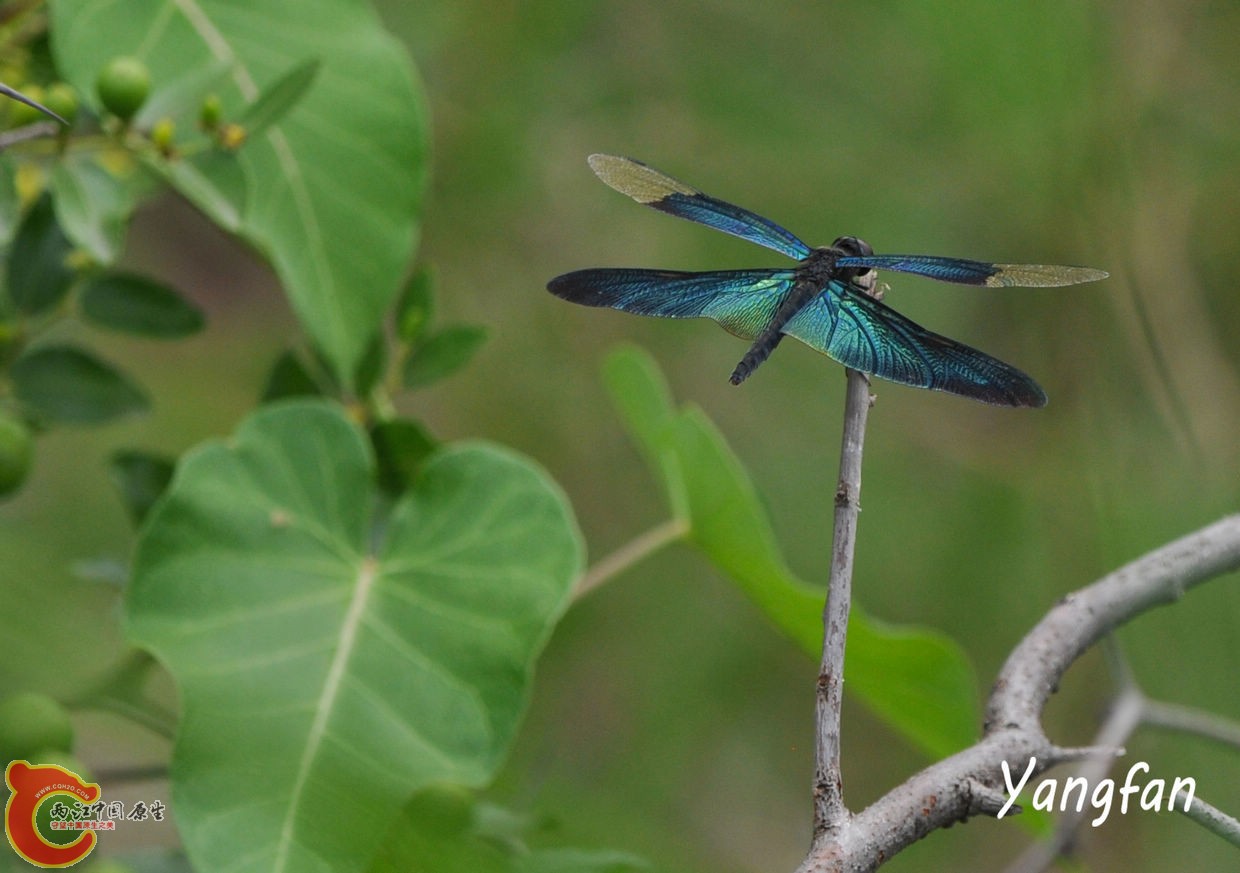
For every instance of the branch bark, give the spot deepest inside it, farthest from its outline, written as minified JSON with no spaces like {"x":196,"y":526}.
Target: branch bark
{"x":830,"y":813}
{"x":970,"y":782}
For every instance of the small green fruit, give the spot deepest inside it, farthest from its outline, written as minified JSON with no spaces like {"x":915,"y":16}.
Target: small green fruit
{"x":30,"y":724}
{"x":123,"y":86}
{"x":211,"y":112}
{"x":63,"y":100}
{"x":16,"y":452}
{"x":162,"y":134}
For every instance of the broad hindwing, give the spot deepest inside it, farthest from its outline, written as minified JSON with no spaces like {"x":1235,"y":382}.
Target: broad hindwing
{"x":965,"y":272}
{"x":864,"y":334}
{"x":647,"y":185}
{"x":743,"y":301}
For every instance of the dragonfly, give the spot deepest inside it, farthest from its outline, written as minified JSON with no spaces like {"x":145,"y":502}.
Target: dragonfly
{"x":823,"y":301}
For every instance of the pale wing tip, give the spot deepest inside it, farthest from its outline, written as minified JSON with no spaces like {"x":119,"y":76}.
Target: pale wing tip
{"x":1043,"y":276}
{"x":598,"y":160}
{"x":1089,"y":274}
{"x":607,"y":166}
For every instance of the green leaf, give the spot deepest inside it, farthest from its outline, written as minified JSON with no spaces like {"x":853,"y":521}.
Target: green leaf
{"x":445,"y":830}
{"x":330,"y":192}
{"x":416,"y":306}
{"x":138,"y":305}
{"x":579,"y":861}
{"x":10,"y":204}
{"x":916,"y":679}
{"x":372,"y":366}
{"x":94,"y":202}
{"x":214,"y":181}
{"x":279,"y":97}
{"x":328,"y":670}
{"x":141,"y":478}
{"x":442,"y":354}
{"x":401,"y":446}
{"x":38,"y":274}
{"x":180,"y":95}
{"x":67,"y":384}
{"x":290,"y":378}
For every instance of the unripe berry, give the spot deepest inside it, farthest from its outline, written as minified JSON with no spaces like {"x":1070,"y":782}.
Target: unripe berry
{"x":123,"y":86}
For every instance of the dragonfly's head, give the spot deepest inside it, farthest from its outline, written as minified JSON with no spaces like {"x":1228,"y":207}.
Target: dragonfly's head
{"x":850,"y":246}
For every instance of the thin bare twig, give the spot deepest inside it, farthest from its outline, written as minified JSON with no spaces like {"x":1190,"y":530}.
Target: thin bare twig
{"x":1188,"y":719}
{"x":830,"y":813}
{"x":829,"y":810}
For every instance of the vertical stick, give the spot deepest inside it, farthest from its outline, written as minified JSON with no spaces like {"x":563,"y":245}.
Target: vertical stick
{"x":829,"y":810}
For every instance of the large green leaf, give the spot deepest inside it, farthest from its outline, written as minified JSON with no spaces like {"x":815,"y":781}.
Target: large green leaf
{"x":918,"y":680}
{"x":328,"y":670}
{"x":330,"y":191}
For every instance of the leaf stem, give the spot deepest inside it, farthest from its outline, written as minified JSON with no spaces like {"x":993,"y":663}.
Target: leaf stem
{"x":630,"y":553}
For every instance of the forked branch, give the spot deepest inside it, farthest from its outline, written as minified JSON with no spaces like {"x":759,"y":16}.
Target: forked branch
{"x":971,"y":782}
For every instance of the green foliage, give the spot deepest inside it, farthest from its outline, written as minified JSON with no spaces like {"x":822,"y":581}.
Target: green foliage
{"x":16,"y":453}
{"x":31,"y":723}
{"x":444,"y":830}
{"x":918,"y":680}
{"x":441,"y":354}
{"x":388,"y":657}
{"x":60,"y":383}
{"x":278,"y":98}
{"x":38,"y":272}
{"x":416,"y":306}
{"x":401,"y":447}
{"x":95,"y":194}
{"x":141,"y":478}
{"x":137,"y":305}
{"x":330,"y":191}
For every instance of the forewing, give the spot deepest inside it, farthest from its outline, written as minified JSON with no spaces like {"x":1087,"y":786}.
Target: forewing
{"x":647,"y":185}
{"x":864,"y":334}
{"x":965,"y":272}
{"x":743,"y":301}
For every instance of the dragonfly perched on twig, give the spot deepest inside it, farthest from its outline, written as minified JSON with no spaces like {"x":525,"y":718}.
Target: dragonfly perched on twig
{"x":820,"y":301}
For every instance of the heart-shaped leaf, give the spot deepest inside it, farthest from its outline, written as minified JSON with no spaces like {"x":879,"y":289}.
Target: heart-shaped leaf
{"x":329,"y":669}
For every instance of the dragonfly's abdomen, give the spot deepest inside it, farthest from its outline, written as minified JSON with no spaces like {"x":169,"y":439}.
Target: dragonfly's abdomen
{"x":805,"y":289}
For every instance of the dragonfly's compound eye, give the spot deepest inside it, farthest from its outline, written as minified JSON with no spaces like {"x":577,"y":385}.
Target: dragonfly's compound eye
{"x":852,"y":246}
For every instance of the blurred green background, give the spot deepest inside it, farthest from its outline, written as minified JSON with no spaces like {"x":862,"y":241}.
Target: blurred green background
{"x":669,"y":719}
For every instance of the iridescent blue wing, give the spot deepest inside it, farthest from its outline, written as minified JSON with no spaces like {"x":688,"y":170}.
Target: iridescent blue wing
{"x":743,"y":301}
{"x":647,"y":185}
{"x":966,"y":272}
{"x":864,"y":334}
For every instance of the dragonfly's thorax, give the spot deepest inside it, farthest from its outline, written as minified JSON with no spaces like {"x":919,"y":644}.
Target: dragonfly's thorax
{"x":820,"y":267}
